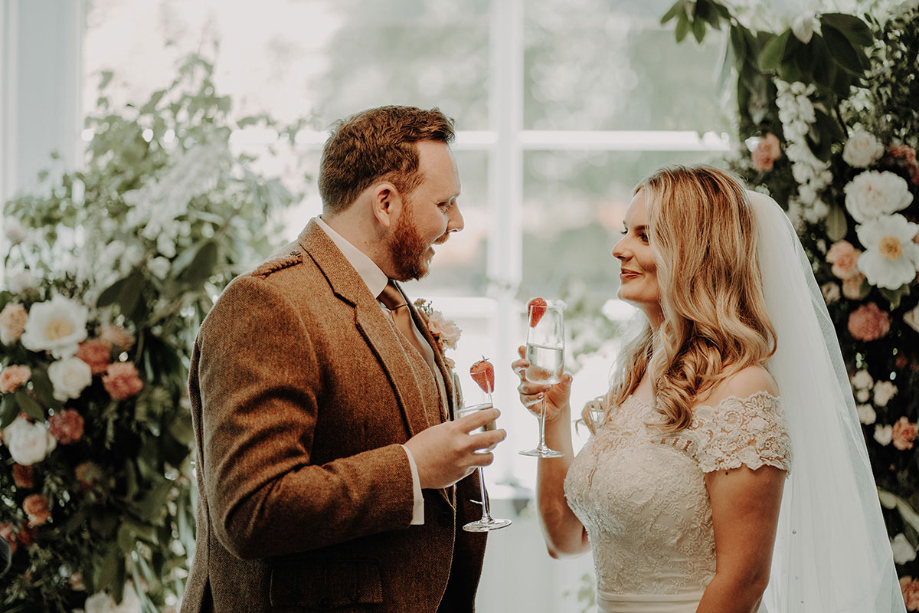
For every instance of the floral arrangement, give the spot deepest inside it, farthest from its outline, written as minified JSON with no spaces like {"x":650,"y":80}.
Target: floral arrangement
{"x":445,"y":331}
{"x":827,"y":109}
{"x":110,"y":270}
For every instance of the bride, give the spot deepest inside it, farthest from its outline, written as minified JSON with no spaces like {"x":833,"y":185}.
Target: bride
{"x":726,"y":471}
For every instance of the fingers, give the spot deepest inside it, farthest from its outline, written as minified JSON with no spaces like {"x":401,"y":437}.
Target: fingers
{"x":476,"y":420}
{"x":486,"y":440}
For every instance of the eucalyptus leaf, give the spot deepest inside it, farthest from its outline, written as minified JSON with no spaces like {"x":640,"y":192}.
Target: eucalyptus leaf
{"x":698,"y":29}
{"x":131,"y":293}
{"x":836,"y":224}
{"x":682,"y":27}
{"x":9,"y":409}
{"x":771,"y":57}
{"x":202,"y":266}
{"x":111,"y":293}
{"x":673,"y":11}
{"x":28,"y":406}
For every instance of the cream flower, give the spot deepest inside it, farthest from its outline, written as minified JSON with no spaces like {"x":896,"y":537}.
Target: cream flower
{"x":101,"y":602}
{"x":891,"y":257}
{"x":866,"y":414}
{"x":28,"y":442}
{"x":903,"y":551}
{"x":69,"y":377}
{"x":862,"y":150}
{"x":872,"y":194}
{"x":22,"y":282}
{"x":805,"y":25}
{"x":14,"y":231}
{"x":57,"y":325}
{"x":862,"y":380}
{"x":883,"y":392}
{"x":883,"y":434}
{"x":912,"y":319}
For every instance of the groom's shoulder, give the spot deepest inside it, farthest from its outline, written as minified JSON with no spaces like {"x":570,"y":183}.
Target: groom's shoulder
{"x":278,"y":262}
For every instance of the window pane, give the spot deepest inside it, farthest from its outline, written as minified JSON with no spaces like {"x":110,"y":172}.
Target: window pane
{"x":597,"y":67}
{"x":324,"y":58}
{"x":574,"y":202}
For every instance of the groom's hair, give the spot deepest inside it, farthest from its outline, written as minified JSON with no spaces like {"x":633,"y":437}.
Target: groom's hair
{"x":377,"y":145}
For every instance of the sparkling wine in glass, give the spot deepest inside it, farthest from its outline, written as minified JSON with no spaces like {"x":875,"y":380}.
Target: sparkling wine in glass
{"x":545,"y":351}
{"x":487,"y":522}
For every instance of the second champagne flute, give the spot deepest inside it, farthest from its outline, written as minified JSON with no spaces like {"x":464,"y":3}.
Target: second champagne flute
{"x":545,"y":352}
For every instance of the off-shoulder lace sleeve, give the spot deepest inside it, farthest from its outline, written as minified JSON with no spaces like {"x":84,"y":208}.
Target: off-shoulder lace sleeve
{"x":741,"y":431}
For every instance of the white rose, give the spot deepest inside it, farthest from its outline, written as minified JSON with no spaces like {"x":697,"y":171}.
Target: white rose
{"x":891,"y":258}
{"x":57,"y":325}
{"x":69,"y":377}
{"x":862,"y":395}
{"x":805,"y":26}
{"x":159,"y":267}
{"x":22,"y":281}
{"x":883,"y":392}
{"x":28,"y":442}
{"x":883,"y":434}
{"x":872,"y":194}
{"x":100,"y":603}
{"x":831,"y":292}
{"x":14,"y":231}
{"x":866,"y":414}
{"x":912,"y":319}
{"x":862,"y":150}
{"x":903,"y":551}
{"x":862,"y":380}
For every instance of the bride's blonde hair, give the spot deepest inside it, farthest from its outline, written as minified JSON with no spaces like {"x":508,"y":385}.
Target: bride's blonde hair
{"x":703,"y":235}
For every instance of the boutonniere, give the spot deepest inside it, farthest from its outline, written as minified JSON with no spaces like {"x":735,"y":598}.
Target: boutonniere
{"x":445,"y":331}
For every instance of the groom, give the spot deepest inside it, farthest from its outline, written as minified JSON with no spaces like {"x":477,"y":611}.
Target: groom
{"x":329,"y":472}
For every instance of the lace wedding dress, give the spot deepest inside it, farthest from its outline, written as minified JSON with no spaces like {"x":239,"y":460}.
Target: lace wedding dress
{"x":641,"y":496}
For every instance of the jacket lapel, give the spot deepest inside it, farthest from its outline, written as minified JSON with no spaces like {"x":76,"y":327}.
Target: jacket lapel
{"x":421,"y":322}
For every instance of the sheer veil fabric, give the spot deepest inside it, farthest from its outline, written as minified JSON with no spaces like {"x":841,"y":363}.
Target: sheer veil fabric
{"x":832,"y":553}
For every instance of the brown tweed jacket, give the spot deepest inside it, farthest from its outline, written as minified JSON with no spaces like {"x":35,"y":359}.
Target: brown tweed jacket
{"x":301,"y":394}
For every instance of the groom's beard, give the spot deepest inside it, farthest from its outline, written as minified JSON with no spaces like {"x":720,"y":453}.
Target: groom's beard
{"x":408,"y":248}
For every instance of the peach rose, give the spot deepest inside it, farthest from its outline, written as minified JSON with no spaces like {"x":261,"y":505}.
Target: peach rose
{"x":904,"y":433}
{"x":36,"y":507}
{"x":66,"y":426}
{"x":910,"y":589}
{"x":117,"y":336}
{"x":13,"y":320}
{"x":88,"y":474}
{"x":14,"y":376}
{"x":6,"y":531}
{"x":121,"y":380}
{"x":25,"y":535}
{"x":767,"y":151}
{"x":97,"y":353}
{"x":868,"y":322}
{"x":23,"y":476}
{"x":844,"y":258}
{"x":852,"y":287}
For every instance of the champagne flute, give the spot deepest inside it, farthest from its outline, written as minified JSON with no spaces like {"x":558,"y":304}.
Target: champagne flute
{"x":545,"y":352}
{"x":487,"y":522}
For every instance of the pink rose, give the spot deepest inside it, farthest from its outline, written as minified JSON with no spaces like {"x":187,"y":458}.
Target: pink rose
{"x":844,"y":258}
{"x":904,"y":433}
{"x":13,"y":320}
{"x":6,"y":531}
{"x":910,"y":589}
{"x":868,"y":322}
{"x":36,"y":507}
{"x":23,"y":476}
{"x":25,"y":535}
{"x":97,"y":353}
{"x":88,"y":474}
{"x":14,"y":376}
{"x":767,"y":151}
{"x":121,"y":380}
{"x":66,"y":426}
{"x":117,"y":336}
{"x":852,"y":287}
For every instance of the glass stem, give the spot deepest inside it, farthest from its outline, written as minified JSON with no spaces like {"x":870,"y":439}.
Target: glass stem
{"x":486,"y":506}
{"x":542,"y":423}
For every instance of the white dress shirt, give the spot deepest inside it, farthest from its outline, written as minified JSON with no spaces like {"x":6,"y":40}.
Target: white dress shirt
{"x":376,"y":281}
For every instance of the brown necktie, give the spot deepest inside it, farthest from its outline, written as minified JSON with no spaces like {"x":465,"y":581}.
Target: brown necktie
{"x":392,"y":298}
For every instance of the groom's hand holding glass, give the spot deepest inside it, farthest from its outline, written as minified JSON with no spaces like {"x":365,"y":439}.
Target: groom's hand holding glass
{"x":450,"y":451}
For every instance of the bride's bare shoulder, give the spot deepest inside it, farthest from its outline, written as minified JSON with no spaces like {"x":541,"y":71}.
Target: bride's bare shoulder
{"x":745,"y":383}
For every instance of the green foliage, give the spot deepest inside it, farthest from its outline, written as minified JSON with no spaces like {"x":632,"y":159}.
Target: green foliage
{"x":159,"y":219}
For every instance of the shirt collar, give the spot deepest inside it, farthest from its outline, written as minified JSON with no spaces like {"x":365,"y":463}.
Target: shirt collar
{"x":375,"y":278}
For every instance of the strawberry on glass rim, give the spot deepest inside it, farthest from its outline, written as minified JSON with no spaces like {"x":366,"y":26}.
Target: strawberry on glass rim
{"x":483,"y":373}
{"x":536,"y":308}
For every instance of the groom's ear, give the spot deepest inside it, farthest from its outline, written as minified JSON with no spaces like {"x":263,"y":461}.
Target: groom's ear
{"x":385,"y":203}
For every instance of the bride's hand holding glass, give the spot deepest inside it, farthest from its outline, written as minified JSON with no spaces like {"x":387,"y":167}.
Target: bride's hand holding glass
{"x":531,"y":393}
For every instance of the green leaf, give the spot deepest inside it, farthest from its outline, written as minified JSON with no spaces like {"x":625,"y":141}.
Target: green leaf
{"x":130,"y":293}
{"x":43,"y":388}
{"x":111,"y":293}
{"x":698,"y":29}
{"x":203,"y":264}
{"x":853,"y":28}
{"x":673,"y":11}
{"x":8,"y":410}
{"x":843,"y":52}
{"x":892,"y":296}
{"x":836,"y":225}
{"x":107,"y":572}
{"x":153,"y":503}
{"x":126,"y":539}
{"x":682,"y":28}
{"x":738,"y":44}
{"x":28,"y":406}
{"x":824,"y":68}
{"x":771,"y":57}
{"x":106,"y":79}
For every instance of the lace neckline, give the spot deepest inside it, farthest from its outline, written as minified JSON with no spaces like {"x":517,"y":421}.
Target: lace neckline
{"x":754,"y":396}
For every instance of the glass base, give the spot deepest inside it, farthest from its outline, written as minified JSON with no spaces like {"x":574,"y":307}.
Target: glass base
{"x":542,"y":451}
{"x":484,"y":525}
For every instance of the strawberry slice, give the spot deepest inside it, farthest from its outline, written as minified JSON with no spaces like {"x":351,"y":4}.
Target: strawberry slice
{"x":483,"y":373}
{"x":536,"y":308}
